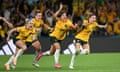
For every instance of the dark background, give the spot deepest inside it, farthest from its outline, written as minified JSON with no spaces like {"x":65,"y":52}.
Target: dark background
{"x":97,"y":44}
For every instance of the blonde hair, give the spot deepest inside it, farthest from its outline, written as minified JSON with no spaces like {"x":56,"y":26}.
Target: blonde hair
{"x":28,"y":21}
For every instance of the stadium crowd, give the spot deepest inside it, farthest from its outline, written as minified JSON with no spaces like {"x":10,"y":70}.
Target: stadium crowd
{"x":16,"y":11}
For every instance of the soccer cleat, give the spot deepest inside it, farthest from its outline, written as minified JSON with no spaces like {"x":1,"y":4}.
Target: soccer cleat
{"x":12,"y":66}
{"x":39,"y":56}
{"x":71,"y":67}
{"x":7,"y":67}
{"x":87,"y":52}
{"x":57,"y":66}
{"x":35,"y":64}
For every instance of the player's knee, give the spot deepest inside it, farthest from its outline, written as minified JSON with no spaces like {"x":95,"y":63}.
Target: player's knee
{"x":57,"y":46}
{"x":24,"y":48}
{"x":35,"y":47}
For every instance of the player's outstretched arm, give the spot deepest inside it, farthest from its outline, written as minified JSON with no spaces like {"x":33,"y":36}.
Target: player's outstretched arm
{"x":10,"y":33}
{"x":103,"y":26}
{"x":58,"y":11}
{"x":10,"y":25}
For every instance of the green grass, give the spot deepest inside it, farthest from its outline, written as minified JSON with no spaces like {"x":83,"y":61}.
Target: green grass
{"x":95,"y":62}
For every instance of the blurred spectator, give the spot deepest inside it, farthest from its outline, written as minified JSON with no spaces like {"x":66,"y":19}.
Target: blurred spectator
{"x":16,"y":11}
{"x":24,"y":8}
{"x":117,"y":27}
{"x":110,"y":29}
{"x":49,"y":16}
{"x":31,"y":3}
{"x":111,"y":15}
{"x":7,"y":13}
{"x":2,"y":34}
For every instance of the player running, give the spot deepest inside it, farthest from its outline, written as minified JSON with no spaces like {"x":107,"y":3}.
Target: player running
{"x":38,"y":24}
{"x":82,"y":37}
{"x":63,"y":24}
{"x":22,"y":41}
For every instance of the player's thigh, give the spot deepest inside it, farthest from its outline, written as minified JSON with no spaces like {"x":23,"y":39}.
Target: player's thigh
{"x":55,"y":42}
{"x":21,"y":44}
{"x":52,"y":49}
{"x":37,"y":45}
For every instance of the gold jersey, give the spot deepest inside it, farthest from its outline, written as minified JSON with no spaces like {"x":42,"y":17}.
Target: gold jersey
{"x":25,"y":34}
{"x":61,"y":29}
{"x":86,"y":32}
{"x":117,"y":27}
{"x":37,"y":23}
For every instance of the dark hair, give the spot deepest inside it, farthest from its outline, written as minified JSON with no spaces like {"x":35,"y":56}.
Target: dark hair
{"x":61,"y":13}
{"x":37,"y":11}
{"x":90,"y":15}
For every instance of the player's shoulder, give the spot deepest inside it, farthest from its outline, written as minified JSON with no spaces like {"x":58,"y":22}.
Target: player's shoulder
{"x":33,"y":19}
{"x":85,"y":21}
{"x":96,"y":23}
{"x":41,"y":21}
{"x":68,"y":20}
{"x":21,"y":27}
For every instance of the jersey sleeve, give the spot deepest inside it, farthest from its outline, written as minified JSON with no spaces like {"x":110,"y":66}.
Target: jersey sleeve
{"x":85,"y":22}
{"x":70,"y":24}
{"x":33,"y":31}
{"x":96,"y":24}
{"x":18,"y":29}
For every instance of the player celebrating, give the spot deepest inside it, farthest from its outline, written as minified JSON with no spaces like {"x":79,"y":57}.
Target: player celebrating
{"x":63,"y":24}
{"x":82,"y":37}
{"x":24,"y":39}
{"x":38,"y":24}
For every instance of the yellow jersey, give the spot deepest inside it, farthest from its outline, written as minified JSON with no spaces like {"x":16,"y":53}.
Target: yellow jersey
{"x":103,"y":16}
{"x":117,"y":27}
{"x":61,"y":29}
{"x":25,"y":34}
{"x":111,"y":16}
{"x":86,"y":32}
{"x":109,"y":29}
{"x":37,"y":23}
{"x":2,"y":32}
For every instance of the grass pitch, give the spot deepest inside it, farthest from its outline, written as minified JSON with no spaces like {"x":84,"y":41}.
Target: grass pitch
{"x":95,"y":62}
